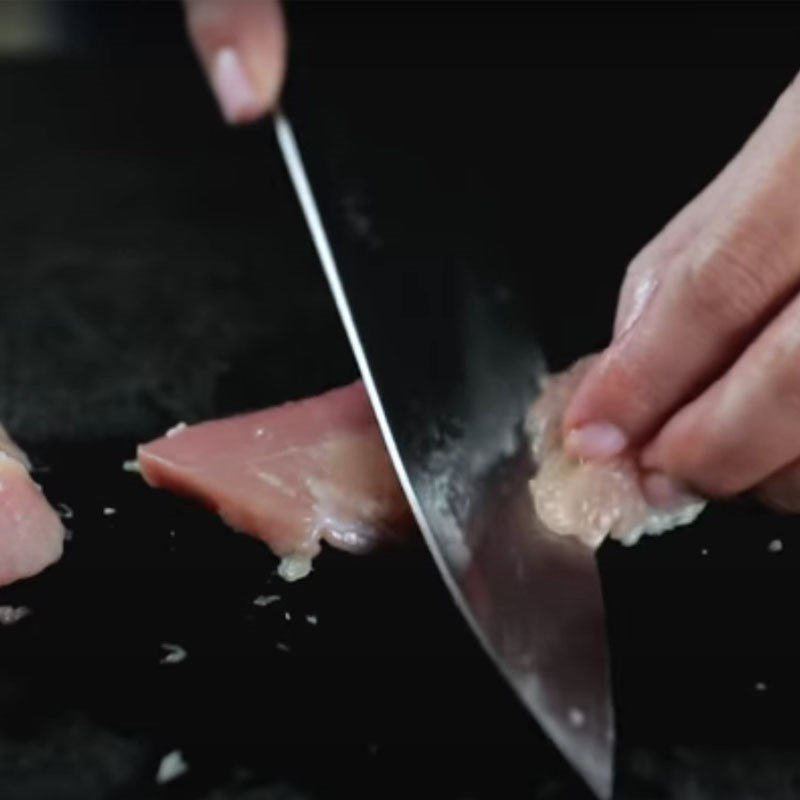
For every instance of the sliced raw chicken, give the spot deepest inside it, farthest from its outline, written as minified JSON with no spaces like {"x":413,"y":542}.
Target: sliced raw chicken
{"x":586,"y":499}
{"x":31,"y":533}
{"x":293,"y":476}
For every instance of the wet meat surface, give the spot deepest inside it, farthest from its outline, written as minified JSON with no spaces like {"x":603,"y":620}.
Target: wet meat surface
{"x":294,"y":476}
{"x":584,"y":499}
{"x":31,"y":533}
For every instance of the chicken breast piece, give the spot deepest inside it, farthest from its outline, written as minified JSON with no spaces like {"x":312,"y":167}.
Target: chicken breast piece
{"x":589,"y":500}
{"x":293,"y":476}
{"x":31,"y":533}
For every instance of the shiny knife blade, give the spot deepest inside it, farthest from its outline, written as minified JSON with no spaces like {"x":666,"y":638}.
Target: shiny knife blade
{"x":450,"y":374}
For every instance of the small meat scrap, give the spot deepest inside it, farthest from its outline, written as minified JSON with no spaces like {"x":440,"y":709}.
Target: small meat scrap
{"x":10,"y":615}
{"x":171,"y":767}
{"x":293,"y":476}
{"x":584,"y":499}
{"x":264,"y":600}
{"x":173,"y":654}
{"x":31,"y":532}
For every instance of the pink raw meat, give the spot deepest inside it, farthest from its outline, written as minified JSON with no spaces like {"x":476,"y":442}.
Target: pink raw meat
{"x":31,"y":533}
{"x":586,"y":499}
{"x":293,"y":476}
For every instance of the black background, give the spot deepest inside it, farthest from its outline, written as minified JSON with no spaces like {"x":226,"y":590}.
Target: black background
{"x":156,"y":269}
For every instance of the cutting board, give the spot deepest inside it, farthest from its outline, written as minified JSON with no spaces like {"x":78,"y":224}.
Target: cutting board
{"x":156,"y":269}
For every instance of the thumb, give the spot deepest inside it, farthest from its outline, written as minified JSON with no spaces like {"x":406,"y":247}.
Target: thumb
{"x":242,"y":48}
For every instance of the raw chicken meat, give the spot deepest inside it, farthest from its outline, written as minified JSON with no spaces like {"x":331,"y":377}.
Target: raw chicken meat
{"x":293,"y":476}
{"x":31,"y":533}
{"x":586,"y":499}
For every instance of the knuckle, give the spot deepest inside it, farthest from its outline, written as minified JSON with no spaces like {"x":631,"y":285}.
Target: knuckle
{"x":731,"y":282}
{"x":700,"y":455}
{"x":777,"y":366}
{"x":777,"y":369}
{"x":630,"y":388}
{"x":721,"y":484}
{"x":714,"y":475}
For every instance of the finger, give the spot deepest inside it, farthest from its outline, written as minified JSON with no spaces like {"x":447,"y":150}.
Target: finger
{"x":644,"y":272}
{"x":781,"y":490}
{"x":242,"y":47}
{"x":731,"y":278}
{"x":746,"y":426}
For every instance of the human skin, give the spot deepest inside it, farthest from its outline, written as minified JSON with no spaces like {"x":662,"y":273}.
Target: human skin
{"x":241,"y":45}
{"x":702,"y":377}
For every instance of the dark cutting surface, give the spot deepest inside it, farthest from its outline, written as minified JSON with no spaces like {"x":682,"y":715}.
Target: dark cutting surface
{"x":155,"y":269}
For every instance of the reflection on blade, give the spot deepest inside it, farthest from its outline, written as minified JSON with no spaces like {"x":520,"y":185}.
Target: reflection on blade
{"x":536,"y":601}
{"x":533,"y":599}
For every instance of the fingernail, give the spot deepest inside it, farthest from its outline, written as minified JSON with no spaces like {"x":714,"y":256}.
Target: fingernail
{"x":597,"y":440}
{"x":232,"y":87}
{"x":665,"y":493}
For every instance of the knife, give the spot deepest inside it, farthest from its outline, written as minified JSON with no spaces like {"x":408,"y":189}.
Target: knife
{"x":451,"y":367}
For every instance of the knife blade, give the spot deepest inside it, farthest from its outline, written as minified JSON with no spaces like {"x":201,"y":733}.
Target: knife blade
{"x":451,"y":368}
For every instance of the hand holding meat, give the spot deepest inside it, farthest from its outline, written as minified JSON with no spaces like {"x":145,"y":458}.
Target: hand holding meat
{"x":702,"y":378}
